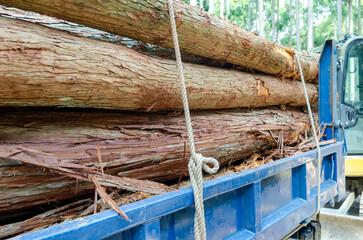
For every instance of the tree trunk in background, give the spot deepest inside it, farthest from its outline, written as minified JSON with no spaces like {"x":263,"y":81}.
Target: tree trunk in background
{"x":261,"y":21}
{"x":221,"y":9}
{"x":201,"y":4}
{"x":249,"y":16}
{"x":297,"y":13}
{"x":290,"y":23}
{"x":40,"y":66}
{"x":347,"y":21}
{"x":273,"y":30}
{"x":310,"y":25}
{"x":142,"y":146}
{"x":199,"y":33}
{"x":335,"y":29}
{"x":359,"y":31}
{"x":350,"y":3}
{"x":211,"y":7}
{"x":227,"y":8}
{"x":193,"y":2}
{"x":277,"y":20}
{"x":339,"y":18}
{"x":266,"y":30}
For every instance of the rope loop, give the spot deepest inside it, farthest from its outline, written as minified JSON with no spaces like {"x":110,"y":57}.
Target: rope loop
{"x":209,"y":160}
{"x":318,"y":170}
{"x":197,"y":162}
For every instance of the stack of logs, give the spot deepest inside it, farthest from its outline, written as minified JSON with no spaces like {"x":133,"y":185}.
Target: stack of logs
{"x":74,"y":108}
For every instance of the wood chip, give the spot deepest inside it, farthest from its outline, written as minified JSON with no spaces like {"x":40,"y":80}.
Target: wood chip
{"x":107,"y":199}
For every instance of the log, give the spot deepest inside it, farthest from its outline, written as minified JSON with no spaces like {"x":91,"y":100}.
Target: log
{"x":45,"y":219}
{"x":40,"y":66}
{"x":80,"y":30}
{"x":199,"y":33}
{"x":64,"y":212}
{"x":78,"y":171}
{"x":143,"y":146}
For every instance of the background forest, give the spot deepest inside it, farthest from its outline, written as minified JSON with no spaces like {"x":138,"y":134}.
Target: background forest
{"x":287,"y":21}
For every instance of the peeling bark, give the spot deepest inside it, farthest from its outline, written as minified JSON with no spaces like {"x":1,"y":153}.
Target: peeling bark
{"x":45,"y":219}
{"x":143,"y":146}
{"x":80,"y":30}
{"x":52,"y":162}
{"x":199,"y":33}
{"x":40,"y":66}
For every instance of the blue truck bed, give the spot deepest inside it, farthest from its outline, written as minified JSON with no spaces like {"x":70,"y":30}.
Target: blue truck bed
{"x":267,"y":202}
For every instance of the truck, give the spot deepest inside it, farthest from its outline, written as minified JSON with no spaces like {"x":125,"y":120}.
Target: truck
{"x":350,"y":75}
{"x":278,"y":200}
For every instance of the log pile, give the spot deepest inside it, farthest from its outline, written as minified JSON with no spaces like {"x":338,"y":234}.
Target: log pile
{"x":84,"y":117}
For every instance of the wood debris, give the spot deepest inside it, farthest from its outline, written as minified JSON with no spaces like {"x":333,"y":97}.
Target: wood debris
{"x":81,"y":172}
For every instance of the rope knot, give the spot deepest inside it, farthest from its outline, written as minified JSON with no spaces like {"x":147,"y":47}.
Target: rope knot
{"x":200,"y":162}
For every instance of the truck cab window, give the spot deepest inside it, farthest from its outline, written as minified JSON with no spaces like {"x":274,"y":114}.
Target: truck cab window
{"x":353,"y":95}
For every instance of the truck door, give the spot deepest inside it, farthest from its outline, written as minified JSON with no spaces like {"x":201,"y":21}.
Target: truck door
{"x":353,"y":95}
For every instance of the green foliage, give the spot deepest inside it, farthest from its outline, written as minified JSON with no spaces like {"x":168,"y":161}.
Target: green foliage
{"x":325,"y":12}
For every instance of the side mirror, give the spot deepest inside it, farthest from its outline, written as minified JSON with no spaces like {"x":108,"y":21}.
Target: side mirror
{"x":348,"y":116}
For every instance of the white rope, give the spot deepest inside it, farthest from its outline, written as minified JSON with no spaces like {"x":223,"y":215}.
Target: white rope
{"x":314,"y":131}
{"x":196,"y":161}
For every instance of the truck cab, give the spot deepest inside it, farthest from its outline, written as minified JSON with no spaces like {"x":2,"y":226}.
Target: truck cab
{"x":350,"y":91}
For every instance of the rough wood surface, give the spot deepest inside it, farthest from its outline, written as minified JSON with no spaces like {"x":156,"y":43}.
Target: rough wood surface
{"x":50,"y":161}
{"x":45,"y":219}
{"x":143,"y":146}
{"x":40,"y":66}
{"x":80,"y":30}
{"x":199,"y":33}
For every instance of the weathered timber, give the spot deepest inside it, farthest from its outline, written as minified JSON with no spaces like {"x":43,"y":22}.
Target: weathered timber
{"x":199,"y":33}
{"x":45,"y":219}
{"x":143,"y":146}
{"x":80,"y":30}
{"x":78,"y":171}
{"x":68,"y":211}
{"x":40,"y":66}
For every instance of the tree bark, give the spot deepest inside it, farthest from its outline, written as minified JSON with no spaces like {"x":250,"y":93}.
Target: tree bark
{"x":143,"y":146}
{"x":40,"y":66}
{"x":199,"y":33}
{"x":79,"y":30}
{"x":44,"y":219}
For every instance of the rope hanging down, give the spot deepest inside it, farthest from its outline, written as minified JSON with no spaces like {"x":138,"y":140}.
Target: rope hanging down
{"x":196,"y":161}
{"x":314,"y":132}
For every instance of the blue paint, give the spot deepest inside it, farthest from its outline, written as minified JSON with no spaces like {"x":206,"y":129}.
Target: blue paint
{"x":328,"y":110}
{"x":262,"y":203}
{"x":237,"y":206}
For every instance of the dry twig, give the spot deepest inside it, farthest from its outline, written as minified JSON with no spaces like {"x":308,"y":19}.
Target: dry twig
{"x":107,"y":199}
